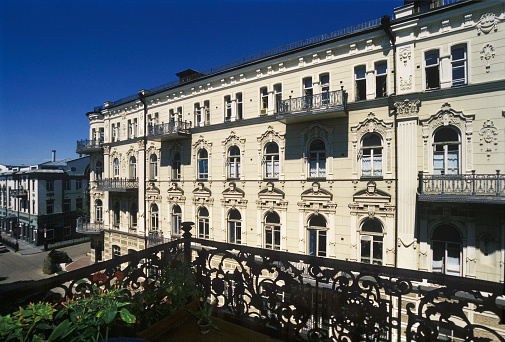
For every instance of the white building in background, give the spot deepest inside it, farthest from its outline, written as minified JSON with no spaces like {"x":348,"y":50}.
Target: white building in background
{"x":377,"y":144}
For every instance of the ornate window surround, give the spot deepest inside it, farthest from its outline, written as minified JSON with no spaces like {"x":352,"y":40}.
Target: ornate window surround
{"x":202,"y":197}
{"x":175,"y":147}
{"x":175,"y":196}
{"x":269,"y":200}
{"x":269,"y":136}
{"x":316,"y":131}
{"x":234,"y":198}
{"x":373,"y":125}
{"x":233,"y":140}
{"x":447,"y":116}
{"x":197,"y":146}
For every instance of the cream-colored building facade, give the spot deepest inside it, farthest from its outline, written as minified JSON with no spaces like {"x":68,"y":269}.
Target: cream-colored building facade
{"x":336,"y":148}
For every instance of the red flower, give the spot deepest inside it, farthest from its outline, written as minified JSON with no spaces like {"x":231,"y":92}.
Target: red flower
{"x":119,"y":275}
{"x":99,"y":278}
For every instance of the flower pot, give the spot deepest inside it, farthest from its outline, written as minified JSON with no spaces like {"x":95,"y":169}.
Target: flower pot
{"x":204,"y":327}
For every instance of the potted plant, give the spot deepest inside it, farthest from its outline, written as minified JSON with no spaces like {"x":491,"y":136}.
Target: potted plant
{"x":204,"y":317}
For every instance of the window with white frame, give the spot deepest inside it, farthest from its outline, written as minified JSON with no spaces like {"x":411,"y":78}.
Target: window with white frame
{"x":203,"y":164}
{"x":360,"y":82}
{"x":227,"y":108}
{"x":133,"y":215}
{"x":372,"y":238}
{"x":273,"y":231}
{"x":203,"y":223}
{"x":234,"y":162}
{"x":263,"y":100}
{"x":240,"y":106}
{"x":171,"y":116}
{"x":432,"y":69}
{"x":371,"y":155}
{"x":179,"y":114}
{"x":176,"y":166}
{"x":154,"y":217}
{"x":206,"y":112}
{"x":459,"y":65}
{"x":153,"y":167}
{"x":381,"y":79}
{"x":118,"y":131}
{"x":317,"y":235}
{"x":324,"y":81}
{"x":116,"y":212}
{"x":234,"y":227}
{"x":198,"y":115}
{"x":98,"y":170}
{"x":176,"y":220}
{"x":278,"y":96}
{"x":317,"y":159}
{"x":116,"y":167}
{"x":133,"y":167}
{"x":98,"y":211}
{"x":308,"y":92}
{"x":446,"y":151}
{"x":113,"y":131}
{"x":271,"y":160}
{"x":446,"y":245}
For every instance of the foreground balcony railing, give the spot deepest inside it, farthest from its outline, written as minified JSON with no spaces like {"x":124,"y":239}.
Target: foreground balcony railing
{"x":466,"y":187}
{"x":88,"y":146}
{"x":326,"y":102}
{"x":300,"y":297}
{"x":88,"y":227}
{"x":169,"y":130}
{"x":117,"y":184}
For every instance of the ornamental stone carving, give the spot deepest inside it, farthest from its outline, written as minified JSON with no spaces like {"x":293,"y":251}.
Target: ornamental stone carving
{"x":406,"y":83}
{"x":407,"y":108}
{"x":405,"y":54}
{"x":487,"y":53}
{"x":487,"y":23}
{"x":488,"y":134}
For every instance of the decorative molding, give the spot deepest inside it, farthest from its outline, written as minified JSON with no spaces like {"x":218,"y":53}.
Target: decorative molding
{"x":487,"y":53}
{"x":487,"y":23}
{"x":233,"y":140}
{"x":405,"y":55}
{"x":316,"y":130}
{"x":269,"y":136}
{"x":407,"y":108}
{"x":406,"y":84}
{"x":489,"y":134}
{"x":352,"y":49}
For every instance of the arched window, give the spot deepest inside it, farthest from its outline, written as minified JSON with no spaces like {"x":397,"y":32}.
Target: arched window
{"x":133,"y":168}
{"x":176,"y":220}
{"x":317,"y":159}
{"x":234,"y":227}
{"x":273,"y":231}
{"x":98,"y":170}
{"x":133,"y":215}
{"x":176,"y":166}
{"x":203,"y":164}
{"x":98,"y":211}
{"x":117,"y":215}
{"x":372,"y":238}
{"x":446,"y":147}
{"x":371,"y":150}
{"x":446,"y":244}
{"x":234,"y":162}
{"x":116,"y":167}
{"x":154,"y":217}
{"x":153,"y":166}
{"x":271,"y":160}
{"x":203,"y":223}
{"x":317,"y":235}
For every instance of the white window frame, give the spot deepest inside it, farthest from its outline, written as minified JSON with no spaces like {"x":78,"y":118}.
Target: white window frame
{"x":321,"y":172}
{"x":379,"y":76}
{"x":445,"y":146}
{"x":425,"y":68}
{"x":201,"y":168}
{"x":359,"y":82}
{"x":464,"y":60}
{"x":115,"y":163}
{"x":154,"y":222}
{"x":234,"y":163}
{"x":235,"y":226}
{"x":153,"y":166}
{"x":372,"y":238}
{"x":319,"y":232}
{"x":176,"y":220}
{"x":274,"y":229}
{"x":203,"y":224}
{"x":133,"y":167}
{"x":372,"y":155}
{"x":271,"y":162}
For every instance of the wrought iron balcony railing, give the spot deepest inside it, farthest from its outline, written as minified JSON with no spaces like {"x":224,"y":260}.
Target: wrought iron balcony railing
{"x":117,"y":184}
{"x":298,"y":297}
{"x":478,"y":186}
{"x":19,"y":192}
{"x":326,"y":101}
{"x":88,"y":227}
{"x":155,"y":238}
{"x":87,"y":146}
{"x":169,"y":130}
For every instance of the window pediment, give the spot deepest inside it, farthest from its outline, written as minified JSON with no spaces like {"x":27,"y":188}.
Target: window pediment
{"x":316,"y":194}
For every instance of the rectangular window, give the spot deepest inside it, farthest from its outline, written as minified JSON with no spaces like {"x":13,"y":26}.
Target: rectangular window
{"x":278,"y":96}
{"x":324,"y":80}
{"x":227,"y":108}
{"x":206,"y":109}
{"x":317,"y":242}
{"x":238,"y":96}
{"x":179,"y":114}
{"x":198,"y":115}
{"x":432,"y":69}
{"x":113,"y":130}
{"x":308,"y":92}
{"x":381,"y":79}
{"x":118,"y":131}
{"x":360,"y":82}
{"x":67,"y":205}
{"x":49,"y":207}
{"x":78,"y":184}
{"x":130,"y":129}
{"x":50,"y":185}
{"x":67,"y":185}
{"x":264,"y":101}
{"x":171,"y":116}
{"x":458,"y":63}
{"x":79,"y":203}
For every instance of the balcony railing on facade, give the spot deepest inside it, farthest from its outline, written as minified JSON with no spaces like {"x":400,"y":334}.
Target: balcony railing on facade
{"x":327,"y":104}
{"x":20,"y":193}
{"x":89,"y":228}
{"x":117,"y":184}
{"x":155,"y":238}
{"x":169,"y":130}
{"x":473,"y":188}
{"x":298,"y":297}
{"x":89,"y":146}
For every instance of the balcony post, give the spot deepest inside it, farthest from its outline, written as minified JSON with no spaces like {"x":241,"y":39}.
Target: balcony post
{"x":473,"y":182}
{"x":442,"y":180}
{"x":497,"y":182}
{"x":186,"y":227}
{"x":420,"y":186}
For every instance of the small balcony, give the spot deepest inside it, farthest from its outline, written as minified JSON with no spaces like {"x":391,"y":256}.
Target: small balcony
{"x":169,"y":131}
{"x":469,"y":188}
{"x":89,"y":228}
{"x":89,"y":146}
{"x":19,"y":193}
{"x":117,"y":184}
{"x":332,"y":104}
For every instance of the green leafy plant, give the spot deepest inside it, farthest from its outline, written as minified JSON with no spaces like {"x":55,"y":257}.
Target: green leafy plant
{"x":28,"y":324}
{"x":204,"y":315}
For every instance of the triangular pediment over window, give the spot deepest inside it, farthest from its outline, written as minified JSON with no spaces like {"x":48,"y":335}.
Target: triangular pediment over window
{"x":270,"y":194}
{"x":371,"y":195}
{"x":232,"y":192}
{"x":316,"y":195}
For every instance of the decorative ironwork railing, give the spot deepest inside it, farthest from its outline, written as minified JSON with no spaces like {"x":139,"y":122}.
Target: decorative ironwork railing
{"x":432,"y":4}
{"x":173,"y":127}
{"x":315,"y":102}
{"x":155,"y":238}
{"x":83,"y":145}
{"x":292,"y":296}
{"x":88,"y":227}
{"x":21,"y":192}
{"x":467,"y":184}
{"x":117,"y":184}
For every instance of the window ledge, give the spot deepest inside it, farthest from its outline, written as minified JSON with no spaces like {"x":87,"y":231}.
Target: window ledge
{"x":370,"y":178}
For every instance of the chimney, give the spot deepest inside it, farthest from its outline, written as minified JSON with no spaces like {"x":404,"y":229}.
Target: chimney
{"x":54,"y":156}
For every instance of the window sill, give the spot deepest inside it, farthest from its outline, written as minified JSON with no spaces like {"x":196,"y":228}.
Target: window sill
{"x":316,"y":179}
{"x":370,"y":178}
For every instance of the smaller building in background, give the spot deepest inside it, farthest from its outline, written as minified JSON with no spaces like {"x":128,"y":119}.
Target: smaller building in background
{"x":41,"y":202}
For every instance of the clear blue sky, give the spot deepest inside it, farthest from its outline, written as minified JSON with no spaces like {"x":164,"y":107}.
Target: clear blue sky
{"x":61,"y":58}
